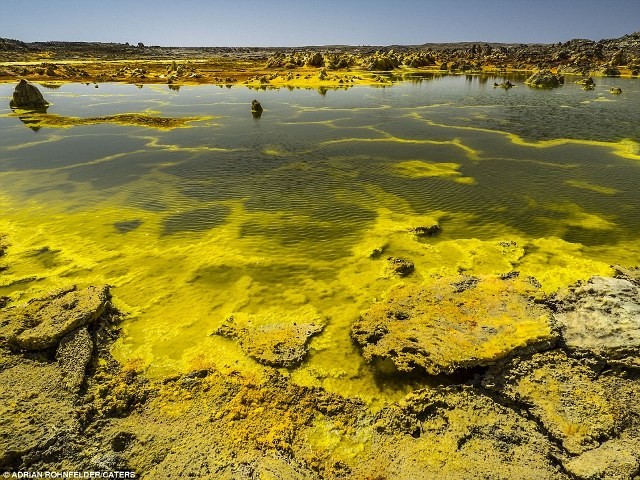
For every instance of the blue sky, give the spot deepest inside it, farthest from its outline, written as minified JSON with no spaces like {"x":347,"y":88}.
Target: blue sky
{"x":298,"y":23}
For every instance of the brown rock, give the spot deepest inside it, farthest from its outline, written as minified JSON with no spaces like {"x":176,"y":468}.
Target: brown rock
{"x":614,"y":460}
{"x":544,"y":79}
{"x":399,"y":266}
{"x":456,"y":433}
{"x":27,"y":95}
{"x":256,"y":107}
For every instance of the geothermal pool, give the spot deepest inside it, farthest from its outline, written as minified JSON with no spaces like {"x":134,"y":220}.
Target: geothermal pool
{"x":293,"y":214}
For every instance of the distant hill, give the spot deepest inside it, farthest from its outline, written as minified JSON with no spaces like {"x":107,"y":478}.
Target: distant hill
{"x":8,"y":45}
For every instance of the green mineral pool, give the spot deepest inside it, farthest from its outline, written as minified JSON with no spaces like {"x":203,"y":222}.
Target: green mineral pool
{"x":294,"y":214}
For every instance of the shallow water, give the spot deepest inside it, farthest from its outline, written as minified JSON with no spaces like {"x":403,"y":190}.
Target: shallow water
{"x":238,"y":214}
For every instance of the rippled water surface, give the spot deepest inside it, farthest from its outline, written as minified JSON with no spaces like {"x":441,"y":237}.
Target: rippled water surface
{"x":243,"y":214}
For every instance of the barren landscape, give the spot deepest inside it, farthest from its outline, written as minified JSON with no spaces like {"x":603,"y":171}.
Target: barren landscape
{"x":491,"y":352}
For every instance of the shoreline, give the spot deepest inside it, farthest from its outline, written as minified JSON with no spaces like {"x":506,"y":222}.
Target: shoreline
{"x":559,"y":409}
{"x":308,"y":66}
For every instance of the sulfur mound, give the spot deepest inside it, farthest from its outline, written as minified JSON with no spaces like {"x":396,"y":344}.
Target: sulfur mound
{"x":275,"y":338}
{"x":453,"y":323}
{"x":566,"y":396}
{"x":54,"y":317}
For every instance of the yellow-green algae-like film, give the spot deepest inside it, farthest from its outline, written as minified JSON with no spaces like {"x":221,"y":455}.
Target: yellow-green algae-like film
{"x":179,"y":270}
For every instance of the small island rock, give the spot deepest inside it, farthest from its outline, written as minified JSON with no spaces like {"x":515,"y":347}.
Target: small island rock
{"x":27,"y":95}
{"x":256,"y":107}
{"x":545,"y":79}
{"x":275,"y":338}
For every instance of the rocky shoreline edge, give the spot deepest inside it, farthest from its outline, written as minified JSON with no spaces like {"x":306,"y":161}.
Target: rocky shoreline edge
{"x":559,"y":404}
{"x":51,"y":63}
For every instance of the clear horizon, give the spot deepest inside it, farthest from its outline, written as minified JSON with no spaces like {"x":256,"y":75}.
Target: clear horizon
{"x":286,"y":23}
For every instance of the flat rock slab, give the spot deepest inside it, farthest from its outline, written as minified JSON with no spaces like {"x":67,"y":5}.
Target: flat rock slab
{"x":34,"y":414}
{"x":458,"y":433}
{"x":575,"y":406}
{"x":453,"y":323}
{"x":73,"y":356}
{"x":617,"y":459}
{"x":58,"y":315}
{"x":276,"y":338}
{"x":602,"y":317}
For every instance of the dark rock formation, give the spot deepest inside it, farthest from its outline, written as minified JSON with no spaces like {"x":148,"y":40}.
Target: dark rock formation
{"x":506,"y":85}
{"x":425,"y":230}
{"x":382,"y":61}
{"x":315,"y":60}
{"x":586,"y":82}
{"x":256,"y":107}
{"x":610,"y":71}
{"x":399,"y":266}
{"x":27,"y":95}
{"x":544,"y":79}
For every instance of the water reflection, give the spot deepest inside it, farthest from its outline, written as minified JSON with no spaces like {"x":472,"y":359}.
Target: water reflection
{"x":30,"y":118}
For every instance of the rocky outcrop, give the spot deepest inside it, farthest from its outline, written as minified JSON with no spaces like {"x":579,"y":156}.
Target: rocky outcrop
{"x":399,"y":267}
{"x":315,"y":60}
{"x":256,"y":107}
{"x":39,"y":391}
{"x":27,"y":95}
{"x":601,"y":318}
{"x":586,"y":81}
{"x":35,"y":415}
{"x":566,"y":396}
{"x":49,"y":320}
{"x":506,"y":85}
{"x":631,"y":274}
{"x":453,"y":323}
{"x":457,"y":433}
{"x":615,"y":460}
{"x":275,"y":338}
{"x":544,"y":416}
{"x":545,"y":79}
{"x":382,"y":61}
